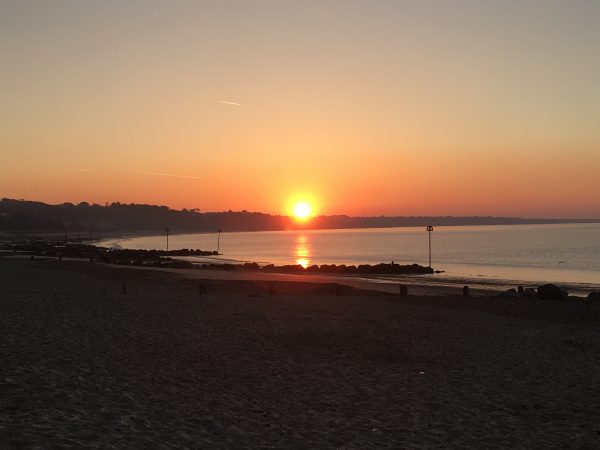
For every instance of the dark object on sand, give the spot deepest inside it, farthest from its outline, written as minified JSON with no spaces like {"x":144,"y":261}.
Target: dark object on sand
{"x":519,"y":289}
{"x":593,"y":297}
{"x":465,"y":291}
{"x":403,"y":290}
{"x":551,"y":292}
{"x":251,"y":267}
{"x":510,"y":293}
{"x":124,"y":288}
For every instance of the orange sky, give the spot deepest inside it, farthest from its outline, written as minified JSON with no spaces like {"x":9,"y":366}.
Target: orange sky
{"x":401,"y":108}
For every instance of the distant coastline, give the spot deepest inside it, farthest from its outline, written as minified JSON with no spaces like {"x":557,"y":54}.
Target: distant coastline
{"x":116,"y":219}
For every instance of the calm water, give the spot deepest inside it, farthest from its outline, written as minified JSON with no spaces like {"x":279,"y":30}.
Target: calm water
{"x":567,"y":253}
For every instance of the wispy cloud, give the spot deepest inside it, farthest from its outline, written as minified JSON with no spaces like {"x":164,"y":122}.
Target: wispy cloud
{"x":143,"y":172}
{"x":225,"y":102}
{"x":83,"y":170}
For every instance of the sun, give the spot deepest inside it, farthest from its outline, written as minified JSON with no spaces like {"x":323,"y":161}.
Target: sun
{"x":302,"y":211}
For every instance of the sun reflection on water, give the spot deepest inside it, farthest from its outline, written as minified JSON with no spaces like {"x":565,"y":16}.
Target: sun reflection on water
{"x":302,"y":250}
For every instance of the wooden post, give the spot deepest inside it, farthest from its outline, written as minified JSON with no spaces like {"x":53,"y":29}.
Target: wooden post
{"x":429,"y":230}
{"x":465,"y":291}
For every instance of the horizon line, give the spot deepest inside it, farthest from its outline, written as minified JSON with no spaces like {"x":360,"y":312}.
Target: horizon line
{"x":230,"y":211}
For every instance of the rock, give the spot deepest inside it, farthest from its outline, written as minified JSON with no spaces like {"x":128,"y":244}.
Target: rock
{"x":251,"y":267}
{"x":593,"y":297}
{"x":551,"y":292}
{"x":351,"y":269}
{"x":290,"y":268}
{"x":328,"y":268}
{"x":268,"y":268}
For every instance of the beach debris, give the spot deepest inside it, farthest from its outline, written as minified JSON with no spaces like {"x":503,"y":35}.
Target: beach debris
{"x":465,"y":291}
{"x":403,"y":290}
{"x":594,"y":296}
{"x":551,"y":292}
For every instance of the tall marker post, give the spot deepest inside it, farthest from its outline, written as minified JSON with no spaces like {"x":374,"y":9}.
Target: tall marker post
{"x":167,"y":231}
{"x":218,"y":240}
{"x":429,"y":230}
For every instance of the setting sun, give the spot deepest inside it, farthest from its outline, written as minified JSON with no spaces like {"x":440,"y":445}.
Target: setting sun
{"x":302,"y":210}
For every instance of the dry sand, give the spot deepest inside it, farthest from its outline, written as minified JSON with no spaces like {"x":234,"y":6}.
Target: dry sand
{"x":84,"y":365}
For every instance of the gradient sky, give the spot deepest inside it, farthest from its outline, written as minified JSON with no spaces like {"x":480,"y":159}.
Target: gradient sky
{"x":363,"y":107}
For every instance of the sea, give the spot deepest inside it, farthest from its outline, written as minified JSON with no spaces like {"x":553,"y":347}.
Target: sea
{"x":496,"y":256}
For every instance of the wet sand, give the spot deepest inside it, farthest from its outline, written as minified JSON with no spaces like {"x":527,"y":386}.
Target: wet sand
{"x":85,"y":365}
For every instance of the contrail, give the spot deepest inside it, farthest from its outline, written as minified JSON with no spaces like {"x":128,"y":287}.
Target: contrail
{"x":225,"y":102}
{"x":143,"y":172}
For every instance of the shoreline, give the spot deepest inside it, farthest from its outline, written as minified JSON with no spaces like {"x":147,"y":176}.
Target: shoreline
{"x":459,"y":257}
{"x":441,"y":279}
{"x":484,"y":276}
{"x":424,"y":284}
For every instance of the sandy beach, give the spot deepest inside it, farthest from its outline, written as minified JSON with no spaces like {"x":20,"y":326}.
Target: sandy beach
{"x":277,"y":363}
